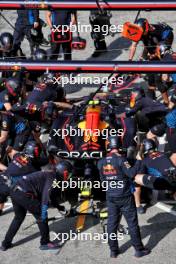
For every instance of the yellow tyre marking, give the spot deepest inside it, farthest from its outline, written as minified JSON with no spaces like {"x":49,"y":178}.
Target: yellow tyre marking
{"x":81,"y":218}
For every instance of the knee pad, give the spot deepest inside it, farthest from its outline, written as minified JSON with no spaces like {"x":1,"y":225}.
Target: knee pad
{"x":157,"y":183}
{"x":131,"y":153}
{"x":159,"y":130}
{"x":163,"y":184}
{"x":148,"y":181}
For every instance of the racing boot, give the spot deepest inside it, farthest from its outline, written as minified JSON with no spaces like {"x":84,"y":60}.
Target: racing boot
{"x":5,"y":247}
{"x":114,"y":254}
{"x":50,"y":246}
{"x":142,"y":253}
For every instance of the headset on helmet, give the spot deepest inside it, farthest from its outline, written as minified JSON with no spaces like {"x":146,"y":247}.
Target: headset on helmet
{"x":63,"y":170}
{"x":32,"y":149}
{"x":112,"y":143}
{"x":136,"y":95}
{"x":12,"y":85}
{"x":40,"y":54}
{"x":144,"y":24}
{"x":148,"y":146}
{"x":6,"y":40}
{"x":48,"y":78}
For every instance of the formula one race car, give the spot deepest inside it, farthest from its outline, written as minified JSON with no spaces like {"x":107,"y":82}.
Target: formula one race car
{"x":79,"y":135}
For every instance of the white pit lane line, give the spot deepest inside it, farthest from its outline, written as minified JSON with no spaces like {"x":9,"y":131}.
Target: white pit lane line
{"x":165,"y":207}
{"x":7,"y":207}
{"x":161,"y":205}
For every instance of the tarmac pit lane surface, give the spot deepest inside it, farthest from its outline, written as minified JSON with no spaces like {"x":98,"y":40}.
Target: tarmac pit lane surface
{"x":157,"y":228}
